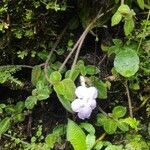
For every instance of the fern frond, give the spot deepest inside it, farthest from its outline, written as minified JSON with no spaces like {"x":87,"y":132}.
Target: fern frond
{"x":6,"y":74}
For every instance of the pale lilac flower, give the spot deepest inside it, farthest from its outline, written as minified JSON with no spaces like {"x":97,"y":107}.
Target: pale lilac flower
{"x":85,"y":102}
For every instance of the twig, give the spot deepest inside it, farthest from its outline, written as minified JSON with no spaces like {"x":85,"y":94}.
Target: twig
{"x":81,"y":39}
{"x":129,"y":99}
{"x":51,"y":52}
{"x":77,"y":54}
{"x":99,"y":139}
{"x":26,"y":66}
{"x":9,"y":136}
{"x":102,"y":60}
{"x":102,"y":111}
{"x":69,"y":55}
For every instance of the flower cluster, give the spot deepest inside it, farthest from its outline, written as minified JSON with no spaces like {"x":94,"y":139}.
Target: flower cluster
{"x":85,"y":102}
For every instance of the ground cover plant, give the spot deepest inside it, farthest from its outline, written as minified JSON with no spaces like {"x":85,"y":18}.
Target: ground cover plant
{"x":75,"y":75}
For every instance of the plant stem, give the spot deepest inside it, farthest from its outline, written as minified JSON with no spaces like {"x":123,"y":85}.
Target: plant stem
{"x":51,"y":52}
{"x":80,"y":41}
{"x":122,"y":2}
{"x":129,"y":99}
{"x":102,"y":111}
{"x":76,"y":56}
{"x":99,"y":139}
{"x":13,"y":138}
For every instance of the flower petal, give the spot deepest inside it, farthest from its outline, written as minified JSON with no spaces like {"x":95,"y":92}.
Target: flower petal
{"x":92,"y":92}
{"x":81,"y":91}
{"x":92,"y":103}
{"x":84,"y":112}
{"x":76,"y":105}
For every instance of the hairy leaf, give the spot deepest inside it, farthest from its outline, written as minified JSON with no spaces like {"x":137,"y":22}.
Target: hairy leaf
{"x":91,"y":70}
{"x":141,"y":3}
{"x":76,"y":136}
{"x":36,"y":72}
{"x":110,"y":126}
{"x":90,"y":140}
{"x":4,"y":125}
{"x":126,"y":62}
{"x":55,"y":77}
{"x":116,"y":18}
{"x":88,"y":127}
{"x":128,"y":26}
{"x":30,"y":102}
{"x":119,"y":111}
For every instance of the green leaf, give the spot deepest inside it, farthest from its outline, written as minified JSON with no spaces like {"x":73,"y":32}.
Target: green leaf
{"x":82,"y":69}
{"x":59,"y":88}
{"x":50,"y":140}
{"x":55,"y":77}
{"x":40,"y":85}
{"x":101,"y":119}
{"x":10,"y":109}
{"x":101,"y":87}
{"x":134,"y":86}
{"x":91,"y":70}
{"x":90,"y":140}
{"x":123,"y":126}
{"x":66,"y":103}
{"x":110,"y":126}
{"x":88,"y":127}
{"x":76,"y":136}
{"x":66,"y":88}
{"x":114,"y":147}
{"x":126,"y":62}
{"x":124,"y":9}
{"x":132,"y":122}
{"x":30,"y":102}
{"x":19,"y":117}
{"x":54,"y":137}
{"x":99,"y":145}
{"x":116,"y":18}
{"x":119,"y":111}
{"x":5,"y":125}
{"x":2,"y":106}
{"x":69,"y":89}
{"x":117,"y":42}
{"x":19,"y":107}
{"x":43,"y":55}
{"x":128,"y":26}
{"x":80,"y":65}
{"x":74,"y":75}
{"x":141,"y":3}
{"x":43,"y":94}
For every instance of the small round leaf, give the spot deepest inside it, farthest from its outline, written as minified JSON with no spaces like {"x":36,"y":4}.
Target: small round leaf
{"x":30,"y":102}
{"x":55,"y":77}
{"x":110,"y":126}
{"x":119,"y":111}
{"x":127,"y":63}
